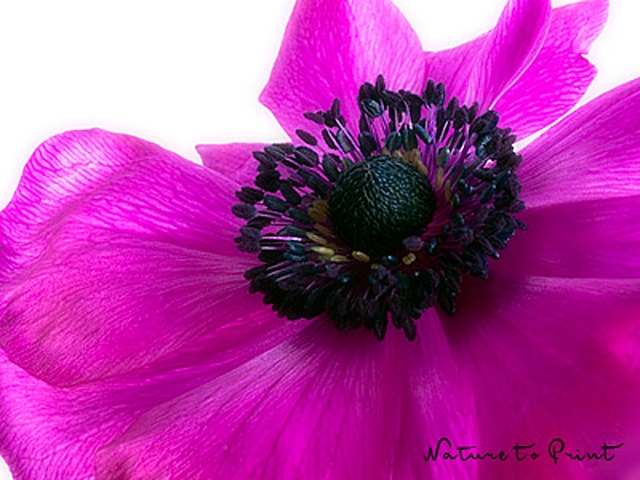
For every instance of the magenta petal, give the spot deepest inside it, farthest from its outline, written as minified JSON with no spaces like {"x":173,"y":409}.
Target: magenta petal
{"x":437,"y":403}
{"x":323,"y":405}
{"x":480,"y":70}
{"x":317,"y":406}
{"x":41,"y":425}
{"x":538,"y":352}
{"x":233,"y":160}
{"x":54,"y":433}
{"x":118,"y":254}
{"x":594,"y":153}
{"x":590,"y":239}
{"x":559,"y":75}
{"x":330,"y":48}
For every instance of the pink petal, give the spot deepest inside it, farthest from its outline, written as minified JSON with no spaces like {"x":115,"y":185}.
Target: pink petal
{"x":233,"y":160}
{"x":297,"y":410}
{"x":594,"y":153}
{"x":118,"y":254}
{"x":42,"y":425}
{"x":536,"y":352}
{"x":559,"y":75}
{"x":326,"y":404}
{"x":437,"y":403}
{"x":482,"y":69}
{"x":330,"y":48}
{"x":589,"y":239}
{"x":54,"y":433}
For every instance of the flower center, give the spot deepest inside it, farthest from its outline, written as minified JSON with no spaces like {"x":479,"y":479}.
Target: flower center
{"x":377,"y":203}
{"x":379,"y":226}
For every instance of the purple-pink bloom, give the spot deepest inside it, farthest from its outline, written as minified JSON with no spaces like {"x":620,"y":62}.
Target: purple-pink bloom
{"x":131,"y":348}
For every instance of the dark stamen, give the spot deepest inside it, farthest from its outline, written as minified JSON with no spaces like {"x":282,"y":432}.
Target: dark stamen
{"x":387,"y":222}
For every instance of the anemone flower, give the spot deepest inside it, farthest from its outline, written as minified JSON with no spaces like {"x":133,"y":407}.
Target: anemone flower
{"x":358,"y":303}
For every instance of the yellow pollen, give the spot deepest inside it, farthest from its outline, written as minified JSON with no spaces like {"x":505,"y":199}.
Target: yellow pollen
{"x":375,"y":266}
{"x":414,"y":158}
{"x":360,"y":256}
{"x":409,"y":258}
{"x":323,"y":251}
{"x":439,"y":178}
{"x":323,"y":230}
{"x":447,"y":190}
{"x":339,"y":259}
{"x":316,"y":238}
{"x":317,"y":212}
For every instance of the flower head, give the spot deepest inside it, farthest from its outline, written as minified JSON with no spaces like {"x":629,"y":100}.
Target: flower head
{"x":132,"y":348}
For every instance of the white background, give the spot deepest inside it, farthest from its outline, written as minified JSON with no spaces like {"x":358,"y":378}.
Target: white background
{"x":189,"y":72}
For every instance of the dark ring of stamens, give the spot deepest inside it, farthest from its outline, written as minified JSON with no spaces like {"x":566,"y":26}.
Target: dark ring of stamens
{"x":307,"y":269}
